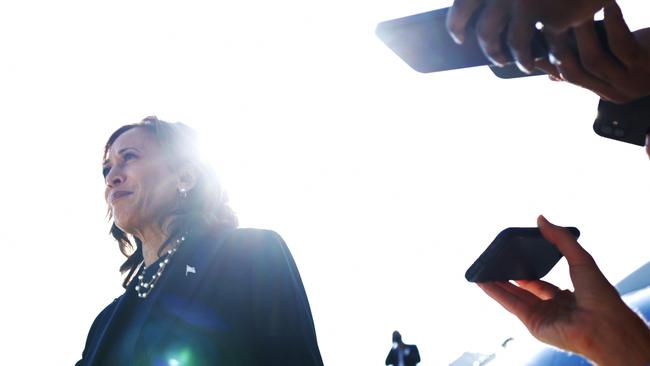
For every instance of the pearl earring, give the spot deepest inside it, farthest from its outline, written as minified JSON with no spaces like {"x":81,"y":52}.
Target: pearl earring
{"x":182,"y":192}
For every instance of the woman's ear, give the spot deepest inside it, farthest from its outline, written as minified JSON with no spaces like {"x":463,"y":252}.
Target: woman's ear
{"x":187,"y":177}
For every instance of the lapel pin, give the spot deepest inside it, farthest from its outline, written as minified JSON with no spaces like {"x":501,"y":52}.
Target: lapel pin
{"x":189,"y":269}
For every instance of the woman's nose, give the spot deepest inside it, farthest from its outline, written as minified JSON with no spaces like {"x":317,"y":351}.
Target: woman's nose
{"x":114,"y":178}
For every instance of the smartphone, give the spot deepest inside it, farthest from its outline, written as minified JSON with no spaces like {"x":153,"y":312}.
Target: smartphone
{"x":422,"y":41}
{"x":629,"y":122}
{"x":517,"y":253}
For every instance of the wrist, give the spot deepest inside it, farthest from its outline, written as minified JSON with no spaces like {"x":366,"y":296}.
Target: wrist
{"x":621,"y":342}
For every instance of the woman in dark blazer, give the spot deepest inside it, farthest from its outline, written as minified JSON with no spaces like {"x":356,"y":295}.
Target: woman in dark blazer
{"x":198,"y":290}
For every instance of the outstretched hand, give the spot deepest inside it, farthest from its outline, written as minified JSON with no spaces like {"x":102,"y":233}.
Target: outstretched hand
{"x":592,"y":320}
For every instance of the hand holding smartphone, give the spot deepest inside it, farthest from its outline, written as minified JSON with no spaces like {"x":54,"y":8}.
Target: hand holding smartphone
{"x":423,"y":42}
{"x":516,"y":254}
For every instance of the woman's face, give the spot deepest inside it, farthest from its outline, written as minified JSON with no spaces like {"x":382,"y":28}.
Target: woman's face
{"x":141,"y":189}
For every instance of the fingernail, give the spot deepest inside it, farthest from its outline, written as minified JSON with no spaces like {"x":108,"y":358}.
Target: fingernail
{"x":496,"y":63}
{"x":554,"y":60}
{"x":523,"y":68}
{"x":541,"y":220}
{"x":457,"y":37}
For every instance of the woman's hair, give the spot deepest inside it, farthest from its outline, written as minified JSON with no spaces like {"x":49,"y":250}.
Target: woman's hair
{"x":206,"y":204}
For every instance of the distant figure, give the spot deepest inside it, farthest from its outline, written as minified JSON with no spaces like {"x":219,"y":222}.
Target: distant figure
{"x":402,"y":354}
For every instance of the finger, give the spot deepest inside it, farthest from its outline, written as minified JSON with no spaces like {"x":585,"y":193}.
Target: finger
{"x":517,"y":301}
{"x":571,"y":69}
{"x":541,"y":289}
{"x":459,"y":16}
{"x":545,"y":65}
{"x":560,"y":16}
{"x":565,"y":298}
{"x":558,"y":46}
{"x":621,"y":41}
{"x":592,"y":56}
{"x":522,"y":294}
{"x":490,"y":28}
{"x":565,"y":242}
{"x":520,"y":37}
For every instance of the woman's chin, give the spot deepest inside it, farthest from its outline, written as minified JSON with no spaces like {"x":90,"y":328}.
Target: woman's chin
{"x":123,"y":224}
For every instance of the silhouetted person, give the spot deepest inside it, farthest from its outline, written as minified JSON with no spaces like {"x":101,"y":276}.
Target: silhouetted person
{"x":402,"y":354}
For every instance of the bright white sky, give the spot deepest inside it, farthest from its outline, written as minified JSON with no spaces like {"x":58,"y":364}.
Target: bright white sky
{"x":385,"y":183}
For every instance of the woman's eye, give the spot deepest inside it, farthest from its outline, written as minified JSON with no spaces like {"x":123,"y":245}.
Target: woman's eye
{"x":105,"y":171}
{"x":129,"y":156}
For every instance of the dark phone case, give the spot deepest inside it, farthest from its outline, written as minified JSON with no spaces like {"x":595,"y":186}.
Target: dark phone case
{"x":629,"y":122}
{"x":516,"y":254}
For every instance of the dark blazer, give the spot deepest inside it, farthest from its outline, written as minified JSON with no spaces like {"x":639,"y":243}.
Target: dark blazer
{"x":235,"y":298}
{"x":410,"y":355}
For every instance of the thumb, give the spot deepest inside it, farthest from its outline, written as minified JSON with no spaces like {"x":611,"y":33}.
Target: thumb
{"x":564,"y":241}
{"x":585,"y":274}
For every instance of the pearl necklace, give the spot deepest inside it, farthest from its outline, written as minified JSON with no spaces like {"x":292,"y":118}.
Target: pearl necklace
{"x":144,"y":288}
